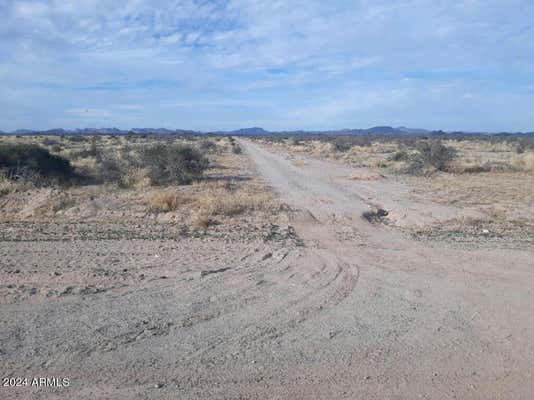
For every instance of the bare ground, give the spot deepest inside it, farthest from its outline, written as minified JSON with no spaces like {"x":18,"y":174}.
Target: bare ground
{"x":341,"y":308}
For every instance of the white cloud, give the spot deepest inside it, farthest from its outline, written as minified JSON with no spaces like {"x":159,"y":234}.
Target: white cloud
{"x":305,"y":56}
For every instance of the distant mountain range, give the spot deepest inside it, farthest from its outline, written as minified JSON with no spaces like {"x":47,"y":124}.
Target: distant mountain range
{"x":254,"y":131}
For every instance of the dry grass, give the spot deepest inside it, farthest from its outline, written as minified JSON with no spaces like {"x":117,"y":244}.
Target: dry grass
{"x":53,"y":205}
{"x":168,"y":200}
{"x":6,"y":185}
{"x":223,"y":199}
{"x":505,"y":198}
{"x":524,"y":162}
{"x":137,"y":178}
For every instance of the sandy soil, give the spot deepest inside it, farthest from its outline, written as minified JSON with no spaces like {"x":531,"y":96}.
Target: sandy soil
{"x":344,"y":309}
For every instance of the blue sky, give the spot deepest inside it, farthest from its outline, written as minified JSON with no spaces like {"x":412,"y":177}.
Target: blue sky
{"x":277,"y":64}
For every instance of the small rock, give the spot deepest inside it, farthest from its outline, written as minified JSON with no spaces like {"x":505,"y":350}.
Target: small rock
{"x":266,"y":256}
{"x":159,"y":385}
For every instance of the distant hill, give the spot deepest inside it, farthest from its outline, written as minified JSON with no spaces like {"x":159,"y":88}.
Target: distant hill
{"x":247,"y":131}
{"x":413,"y":130}
{"x":253,"y":131}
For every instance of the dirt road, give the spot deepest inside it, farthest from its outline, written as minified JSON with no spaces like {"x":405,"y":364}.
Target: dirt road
{"x":352,"y":310}
{"x":415,"y":321}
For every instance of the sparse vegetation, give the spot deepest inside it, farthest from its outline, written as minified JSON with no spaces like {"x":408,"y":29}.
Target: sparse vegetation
{"x":178,"y":164}
{"x":18,"y":160}
{"x":115,"y":175}
{"x":478,"y":172}
{"x":431,"y":154}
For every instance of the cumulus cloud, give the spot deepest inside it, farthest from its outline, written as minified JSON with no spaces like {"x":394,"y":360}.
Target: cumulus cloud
{"x":294,"y":63}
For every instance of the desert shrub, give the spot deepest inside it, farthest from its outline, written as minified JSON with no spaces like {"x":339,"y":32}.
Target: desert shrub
{"x":342,"y":144}
{"x":431,"y":154}
{"x":22,"y":159}
{"x":173,"y":164}
{"x":524,"y":144}
{"x":400,"y":155}
{"x":56,"y":148}
{"x":76,"y":138}
{"x":207,"y":146}
{"x":158,"y":164}
{"x":84,"y":153}
{"x":50,"y":142}
{"x":236,"y":149}
{"x":110,"y":167}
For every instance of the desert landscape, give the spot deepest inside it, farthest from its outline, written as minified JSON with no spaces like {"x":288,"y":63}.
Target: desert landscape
{"x":270,"y":266}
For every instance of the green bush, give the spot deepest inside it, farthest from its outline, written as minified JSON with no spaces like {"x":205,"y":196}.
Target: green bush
{"x":173,"y":164}
{"x":21,"y":159}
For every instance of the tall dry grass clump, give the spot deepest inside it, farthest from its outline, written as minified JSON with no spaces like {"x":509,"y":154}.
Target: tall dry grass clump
{"x":225,"y":200}
{"x":168,"y":200}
